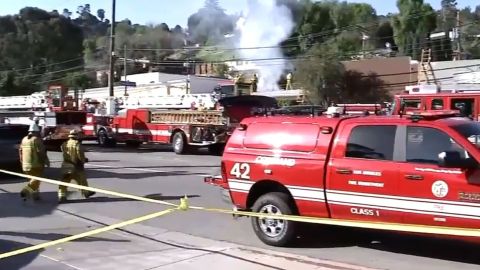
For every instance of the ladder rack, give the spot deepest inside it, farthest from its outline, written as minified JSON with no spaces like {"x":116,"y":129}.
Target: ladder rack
{"x":188,"y":117}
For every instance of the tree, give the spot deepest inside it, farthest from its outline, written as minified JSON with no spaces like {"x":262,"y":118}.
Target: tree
{"x":384,"y":35}
{"x":101,"y":14}
{"x":413,"y":25}
{"x":42,"y":41}
{"x":448,"y":11}
{"x":66,"y":13}
{"x":318,"y":74}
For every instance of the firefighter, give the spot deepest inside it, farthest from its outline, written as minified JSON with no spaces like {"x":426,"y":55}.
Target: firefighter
{"x":253,"y":86}
{"x":236,"y":82}
{"x":33,"y":157}
{"x":289,"y":81}
{"x":73,"y":166}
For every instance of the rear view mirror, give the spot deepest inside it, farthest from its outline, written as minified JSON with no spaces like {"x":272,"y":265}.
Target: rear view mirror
{"x":453,"y":159}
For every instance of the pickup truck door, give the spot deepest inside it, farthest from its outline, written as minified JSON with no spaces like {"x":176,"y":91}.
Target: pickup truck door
{"x":362,"y":173}
{"x":430,"y":194}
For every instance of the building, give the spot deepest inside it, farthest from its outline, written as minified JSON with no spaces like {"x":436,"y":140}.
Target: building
{"x":395,"y":72}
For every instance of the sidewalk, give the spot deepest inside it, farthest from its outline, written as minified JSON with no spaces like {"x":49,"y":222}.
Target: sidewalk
{"x":136,"y":247}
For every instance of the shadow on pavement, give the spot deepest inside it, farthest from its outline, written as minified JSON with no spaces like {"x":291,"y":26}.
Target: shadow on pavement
{"x":101,"y":173}
{"x":116,"y":199}
{"x":55,"y":236}
{"x":19,"y":261}
{"x":321,"y":236}
{"x":11,"y":205}
{"x":141,"y":149}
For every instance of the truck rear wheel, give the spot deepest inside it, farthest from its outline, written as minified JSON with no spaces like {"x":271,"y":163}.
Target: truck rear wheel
{"x":103,"y":139}
{"x":180,"y":145}
{"x":274,"y":232}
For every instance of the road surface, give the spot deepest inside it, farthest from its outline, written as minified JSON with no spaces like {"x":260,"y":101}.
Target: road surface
{"x":156,"y":172}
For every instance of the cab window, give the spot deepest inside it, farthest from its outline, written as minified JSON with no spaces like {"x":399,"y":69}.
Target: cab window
{"x":412,"y":103}
{"x":464,"y":105}
{"x":425,"y":144}
{"x":371,"y":142}
{"x":437,"y":104}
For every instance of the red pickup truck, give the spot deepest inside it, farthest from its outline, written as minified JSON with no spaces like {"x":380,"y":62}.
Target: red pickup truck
{"x":417,"y":169}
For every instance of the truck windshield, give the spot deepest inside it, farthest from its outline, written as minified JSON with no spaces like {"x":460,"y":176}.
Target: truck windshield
{"x":470,"y":130}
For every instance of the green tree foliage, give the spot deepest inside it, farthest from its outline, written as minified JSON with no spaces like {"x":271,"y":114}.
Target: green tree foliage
{"x":414,"y":23}
{"x":30,"y":43}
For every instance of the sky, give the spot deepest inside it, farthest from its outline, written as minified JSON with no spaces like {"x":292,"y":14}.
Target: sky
{"x":172,"y":12}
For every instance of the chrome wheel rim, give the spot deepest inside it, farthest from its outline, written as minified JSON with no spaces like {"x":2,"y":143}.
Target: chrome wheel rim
{"x":271,"y":227}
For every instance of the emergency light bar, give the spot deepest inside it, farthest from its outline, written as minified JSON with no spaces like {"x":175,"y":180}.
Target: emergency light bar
{"x":429,"y":114}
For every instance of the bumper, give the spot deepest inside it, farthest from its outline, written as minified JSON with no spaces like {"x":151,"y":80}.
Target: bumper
{"x":218,"y":181}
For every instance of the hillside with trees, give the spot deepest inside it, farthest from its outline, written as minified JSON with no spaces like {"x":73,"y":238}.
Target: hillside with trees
{"x":38,"y":47}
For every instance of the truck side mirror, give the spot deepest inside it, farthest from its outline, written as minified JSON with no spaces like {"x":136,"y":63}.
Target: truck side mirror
{"x":453,"y":159}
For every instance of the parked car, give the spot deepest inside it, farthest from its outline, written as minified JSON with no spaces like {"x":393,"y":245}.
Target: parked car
{"x":11,"y":136}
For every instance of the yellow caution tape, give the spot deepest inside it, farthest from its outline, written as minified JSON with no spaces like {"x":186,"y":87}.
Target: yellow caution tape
{"x":184,"y":205}
{"x":457,"y":231}
{"x":86,"y":234}
{"x":114,"y":193}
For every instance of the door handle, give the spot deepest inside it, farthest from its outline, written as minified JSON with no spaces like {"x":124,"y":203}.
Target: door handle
{"x":343,"y":171}
{"x":413,"y":177}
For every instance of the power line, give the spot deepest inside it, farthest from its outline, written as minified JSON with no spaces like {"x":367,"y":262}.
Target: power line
{"x":45,"y":65}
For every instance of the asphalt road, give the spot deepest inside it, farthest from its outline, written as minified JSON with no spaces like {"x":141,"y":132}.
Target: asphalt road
{"x":159,"y":173}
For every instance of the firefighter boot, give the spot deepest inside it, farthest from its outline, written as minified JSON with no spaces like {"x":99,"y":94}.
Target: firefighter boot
{"x":24,"y":194}
{"x":62,"y":194}
{"x":36,"y":196}
{"x":87,"y":194}
{"x":29,"y":192}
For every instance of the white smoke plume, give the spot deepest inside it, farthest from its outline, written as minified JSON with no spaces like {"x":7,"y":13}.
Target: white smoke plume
{"x":265,"y":24}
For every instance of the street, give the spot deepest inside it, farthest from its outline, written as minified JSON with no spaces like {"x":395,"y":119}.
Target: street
{"x":156,"y":172}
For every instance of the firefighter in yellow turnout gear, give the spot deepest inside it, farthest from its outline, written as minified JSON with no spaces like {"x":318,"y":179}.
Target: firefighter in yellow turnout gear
{"x":34,"y":159}
{"x":73,"y":166}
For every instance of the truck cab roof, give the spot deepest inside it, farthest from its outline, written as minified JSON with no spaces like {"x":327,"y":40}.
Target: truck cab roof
{"x":447,"y":118}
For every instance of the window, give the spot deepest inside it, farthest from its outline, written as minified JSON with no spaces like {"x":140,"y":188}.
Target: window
{"x":465,"y":106}
{"x":437,"y":104}
{"x":425,"y":144}
{"x":412,"y":103}
{"x":371,"y":142}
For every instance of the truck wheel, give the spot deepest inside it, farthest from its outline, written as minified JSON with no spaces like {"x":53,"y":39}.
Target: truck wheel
{"x":103,"y":139}
{"x":179,"y":141}
{"x":216,"y":149}
{"x":274,"y":232}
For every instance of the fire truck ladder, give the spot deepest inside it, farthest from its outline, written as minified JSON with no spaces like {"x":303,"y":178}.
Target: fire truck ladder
{"x":190,"y":117}
{"x":425,"y":71}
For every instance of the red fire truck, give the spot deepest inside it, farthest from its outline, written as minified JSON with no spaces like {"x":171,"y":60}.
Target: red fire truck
{"x":430,"y":97}
{"x":57,"y":113}
{"x":184,"y":129}
{"x":417,"y":169}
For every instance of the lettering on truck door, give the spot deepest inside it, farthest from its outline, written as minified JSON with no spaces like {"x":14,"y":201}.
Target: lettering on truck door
{"x":433,"y":195}
{"x":362,"y":173}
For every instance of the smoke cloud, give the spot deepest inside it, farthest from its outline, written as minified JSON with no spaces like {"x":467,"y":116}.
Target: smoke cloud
{"x":265,"y":24}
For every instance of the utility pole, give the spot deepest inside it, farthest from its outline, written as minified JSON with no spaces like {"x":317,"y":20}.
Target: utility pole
{"x":125,"y":67}
{"x":112,"y":51}
{"x":457,"y":36}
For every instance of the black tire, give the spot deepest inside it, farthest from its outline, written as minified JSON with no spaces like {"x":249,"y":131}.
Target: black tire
{"x":216,"y":149}
{"x":179,"y":143}
{"x":102,"y":138}
{"x":279,"y":202}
